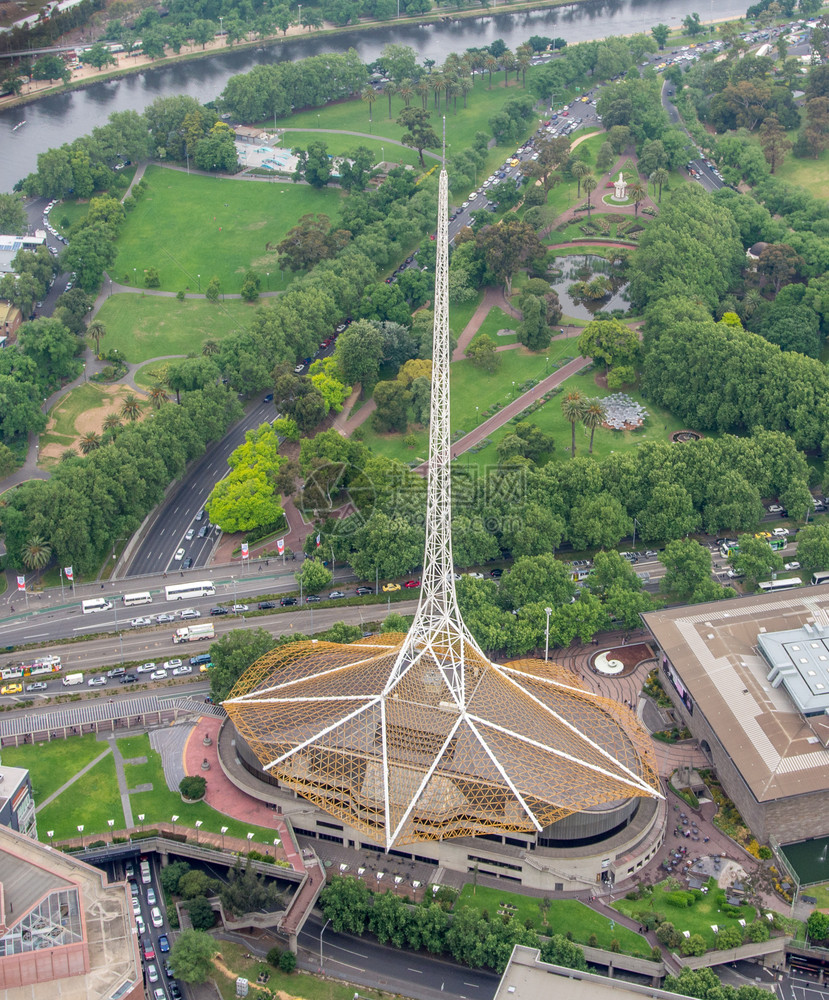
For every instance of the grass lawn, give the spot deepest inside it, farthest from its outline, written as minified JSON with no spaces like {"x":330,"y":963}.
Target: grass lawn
{"x":697,"y":918}
{"x":90,"y":801}
{"x":497,"y":319}
{"x":460,"y":315}
{"x":161,"y":804}
{"x":340,"y":145}
{"x":85,"y":397}
{"x":606,"y":225}
{"x":809,"y":174}
{"x":53,"y":764}
{"x":183,"y":227}
{"x":145,"y":375}
{"x":146,"y":326}
{"x":297,"y":984}
{"x":659,"y":425}
{"x":564,"y":915}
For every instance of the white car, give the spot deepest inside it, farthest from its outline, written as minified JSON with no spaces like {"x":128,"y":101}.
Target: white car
{"x":189,"y":613}
{"x":781,"y":532}
{"x":165,"y":617}
{"x":152,"y":973}
{"x":190,"y":533}
{"x":136,"y":906}
{"x":97,"y":682}
{"x":476,"y":576}
{"x":151,"y":900}
{"x":139,"y":622}
{"x":157,"y":919}
{"x":145,"y":668}
{"x":179,"y":554}
{"x":172,"y":664}
{"x":734,"y":575}
{"x":179,"y":671}
{"x":140,"y":925}
{"x":791,"y":565}
{"x":237,"y":609}
{"x":158,"y":675}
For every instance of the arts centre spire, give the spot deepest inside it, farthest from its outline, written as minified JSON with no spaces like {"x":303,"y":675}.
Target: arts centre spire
{"x":420,"y":736}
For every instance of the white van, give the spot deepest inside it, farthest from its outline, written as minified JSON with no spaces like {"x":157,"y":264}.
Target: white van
{"x":96,"y":604}
{"x":70,"y":680}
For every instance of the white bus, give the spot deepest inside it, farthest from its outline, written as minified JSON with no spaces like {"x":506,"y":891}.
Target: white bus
{"x":95,"y":604}
{"x":184,"y":591}
{"x":822,"y":576}
{"x":771,"y":585}
{"x":145,"y":597}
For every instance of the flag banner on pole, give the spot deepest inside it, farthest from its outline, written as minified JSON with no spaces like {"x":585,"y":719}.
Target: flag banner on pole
{"x":319,"y":540}
{"x":280,"y":545}
{"x":69,"y":573}
{"x":21,"y":583}
{"x":245,"y":550}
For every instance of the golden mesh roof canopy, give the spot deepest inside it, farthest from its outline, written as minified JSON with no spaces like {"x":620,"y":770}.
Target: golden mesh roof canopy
{"x":389,"y":748}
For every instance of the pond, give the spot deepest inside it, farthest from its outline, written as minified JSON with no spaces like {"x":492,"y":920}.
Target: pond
{"x":584,"y":267}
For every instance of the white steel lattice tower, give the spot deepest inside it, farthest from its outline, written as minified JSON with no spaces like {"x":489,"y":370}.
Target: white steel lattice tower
{"x":438,"y":628}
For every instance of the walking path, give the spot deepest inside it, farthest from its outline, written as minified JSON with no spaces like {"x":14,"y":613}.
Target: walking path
{"x":72,"y":780}
{"x":169,"y":744}
{"x":123,"y":787}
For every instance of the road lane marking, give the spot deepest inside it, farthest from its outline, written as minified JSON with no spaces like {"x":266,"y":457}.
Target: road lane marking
{"x":345,"y":965}
{"x":35,"y":635}
{"x":418,"y":971}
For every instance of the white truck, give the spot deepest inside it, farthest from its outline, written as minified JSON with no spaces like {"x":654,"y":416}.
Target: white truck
{"x":192,"y":633}
{"x":70,"y":680}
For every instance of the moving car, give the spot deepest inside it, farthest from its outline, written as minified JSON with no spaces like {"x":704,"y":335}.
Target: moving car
{"x":791,"y":565}
{"x":335,"y":594}
{"x":172,"y":664}
{"x":189,"y":613}
{"x":313,"y":599}
{"x":409,"y":584}
{"x":237,"y":609}
{"x":37,"y":686}
{"x":152,"y":972}
{"x":116,"y":672}
{"x":179,"y":554}
{"x":158,"y":675}
{"x":165,"y":617}
{"x":140,"y":926}
{"x":287,"y":602}
{"x":136,"y":906}
{"x":151,"y":896}
{"x":179,"y":671}
{"x":363,"y":591}
{"x":190,"y":533}
{"x":140,"y":622}
{"x":163,"y":945}
{"x":96,"y":682}
{"x":266,"y":605}
{"x":157,"y":919}
{"x":476,"y":576}
{"x":215,"y":612}
{"x":390,"y":588}
{"x":149,"y":951}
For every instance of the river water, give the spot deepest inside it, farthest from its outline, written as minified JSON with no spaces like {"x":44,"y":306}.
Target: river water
{"x":52,"y":121}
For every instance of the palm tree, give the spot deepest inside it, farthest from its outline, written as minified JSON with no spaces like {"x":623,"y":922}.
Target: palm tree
{"x":158,"y":397}
{"x":579,"y":171}
{"x":131,"y":407}
{"x":452,"y":90}
{"x":573,"y":406}
{"x":209,"y":348}
{"x":112,"y":423}
{"x":466,"y":85}
{"x":477,"y":61}
{"x":97,"y":330}
{"x":507,"y":64}
{"x":490,"y":64}
{"x":422,"y":88}
{"x":590,"y":185}
{"x":406,"y":92}
{"x":390,"y":90}
{"x":660,"y":177}
{"x":36,"y":553}
{"x":636,"y":191}
{"x":89,"y":442}
{"x":437,"y":83}
{"x":369,"y":95}
{"x":523,"y":59}
{"x":751,"y":302}
{"x":593,"y":416}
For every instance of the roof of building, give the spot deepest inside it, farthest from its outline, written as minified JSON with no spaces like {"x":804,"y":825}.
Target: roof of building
{"x":719,"y":671}
{"x":389,"y":748}
{"x":10,"y":778}
{"x":51,"y":900}
{"x":799,"y":661}
{"x":526,"y":977}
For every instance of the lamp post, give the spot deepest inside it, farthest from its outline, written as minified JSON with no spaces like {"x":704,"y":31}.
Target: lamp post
{"x":141,"y":821}
{"x":198,"y":827}
{"x":221,"y":24}
{"x":80,"y":831}
{"x":198,"y":278}
{"x":513,"y":390}
{"x":110,"y":824}
{"x":546,"y":365}
{"x":134,"y":277}
{"x":547,"y":612}
{"x":268,"y":273}
{"x":233,"y":578}
{"x":327,"y":922}
{"x":250,"y":838}
{"x":276,"y":843}
{"x":121,"y":641}
{"x":224,"y":831}
{"x":50,"y":834}
{"x":174,"y":818}
{"x":299,"y":16}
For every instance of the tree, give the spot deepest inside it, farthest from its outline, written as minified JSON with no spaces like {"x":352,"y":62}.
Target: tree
{"x":232,"y":655}
{"x":193,"y":787}
{"x":817,"y":926}
{"x":313,"y":576}
{"x":774,"y":141}
{"x":579,"y":170}
{"x":535,"y":580}
{"x":392,"y":400}
{"x":660,"y":32}
{"x":13,"y":218}
{"x":598,"y":521}
{"x":659,"y":177}
{"x":481,"y":352}
{"x":202,"y":916}
{"x":610,"y":341}
{"x":287,"y":962}
{"x":358,"y":354}
{"x":692,"y":25}
{"x":89,"y":442}
{"x":687,"y":566}
{"x":780,"y":264}
{"x":369,"y":96}
{"x":213,"y":290}
{"x":593,"y":417}
{"x":573,"y":406}
{"x":755,"y":559}
{"x":813,"y":547}
{"x":419,"y":133}
{"x":97,"y":330}
{"x":590,"y":185}
{"x":346,"y":902}
{"x":192,"y":956}
{"x":36,"y":553}
{"x":533,"y":331}
{"x":131,"y":407}
{"x":637,"y":193}
{"x":507,"y":246}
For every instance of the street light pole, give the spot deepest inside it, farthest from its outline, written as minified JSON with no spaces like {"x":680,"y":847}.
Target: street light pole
{"x":547,"y":612}
{"x":327,"y":922}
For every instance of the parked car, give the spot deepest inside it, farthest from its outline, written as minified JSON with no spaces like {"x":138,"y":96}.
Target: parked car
{"x":152,"y":972}
{"x":200,"y":515}
{"x":791,"y":565}
{"x":476,"y":576}
{"x":781,"y":532}
{"x":136,"y":906}
{"x":149,"y":951}
{"x":774,"y":508}
{"x":140,"y":926}
{"x":203,"y":530}
{"x":496,"y":573}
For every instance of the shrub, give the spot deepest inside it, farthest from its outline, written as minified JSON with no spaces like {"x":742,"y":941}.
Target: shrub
{"x":679,"y":899}
{"x":764,"y":853}
{"x":287,"y":962}
{"x":201,"y":913}
{"x":273,"y":956}
{"x":193,"y":787}
{"x":656,"y":954}
{"x":593,"y":941}
{"x":615,"y":946}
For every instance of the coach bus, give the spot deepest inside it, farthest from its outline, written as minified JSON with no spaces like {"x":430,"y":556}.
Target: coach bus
{"x":772,"y":585}
{"x":822,"y":576}
{"x":184,"y":591}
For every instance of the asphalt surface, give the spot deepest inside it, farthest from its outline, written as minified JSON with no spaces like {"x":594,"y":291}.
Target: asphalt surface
{"x":364,"y":962}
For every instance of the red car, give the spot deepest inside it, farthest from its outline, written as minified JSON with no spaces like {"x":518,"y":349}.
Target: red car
{"x":149,"y":951}
{"x":564,"y":114}
{"x":412,"y":583}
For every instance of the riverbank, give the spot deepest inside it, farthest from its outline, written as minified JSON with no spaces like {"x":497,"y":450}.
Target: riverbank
{"x":130,"y":65}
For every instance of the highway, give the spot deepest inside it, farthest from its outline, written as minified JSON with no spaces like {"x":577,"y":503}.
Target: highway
{"x":415,"y":974}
